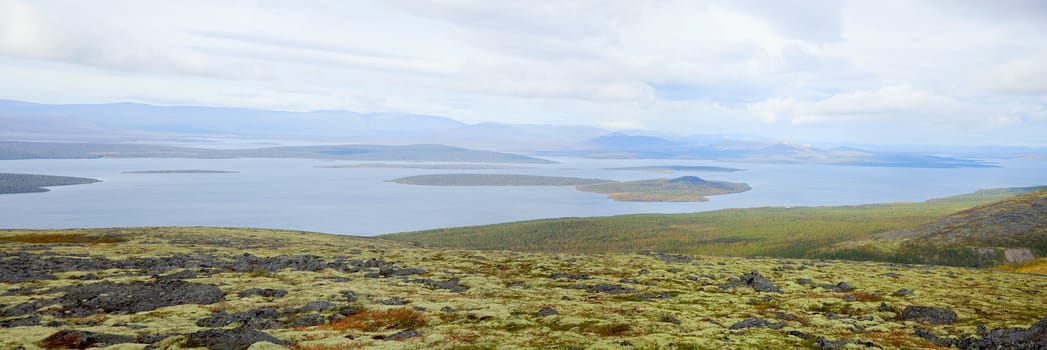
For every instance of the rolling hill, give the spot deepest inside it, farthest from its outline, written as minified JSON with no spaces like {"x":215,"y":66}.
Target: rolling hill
{"x":845,"y":232}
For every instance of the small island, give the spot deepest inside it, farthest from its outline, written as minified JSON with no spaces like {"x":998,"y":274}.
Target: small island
{"x":456,"y":166}
{"x":675,"y":168}
{"x":494,"y":180}
{"x":681,"y":189}
{"x":186,"y":171}
{"x":31,"y":183}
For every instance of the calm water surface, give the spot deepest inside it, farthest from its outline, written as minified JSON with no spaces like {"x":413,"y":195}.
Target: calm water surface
{"x":295,"y":194}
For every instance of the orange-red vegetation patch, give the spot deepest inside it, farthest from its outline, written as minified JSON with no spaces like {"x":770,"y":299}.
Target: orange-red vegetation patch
{"x":43,"y":238}
{"x":378,"y":320}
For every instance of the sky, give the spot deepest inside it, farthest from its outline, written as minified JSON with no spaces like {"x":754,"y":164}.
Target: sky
{"x":943,"y":72}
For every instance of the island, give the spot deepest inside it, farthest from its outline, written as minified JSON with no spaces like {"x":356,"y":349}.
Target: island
{"x":681,"y":189}
{"x":675,"y":168}
{"x":457,"y":166}
{"x":31,"y":183}
{"x":494,"y":180}
{"x":186,"y":171}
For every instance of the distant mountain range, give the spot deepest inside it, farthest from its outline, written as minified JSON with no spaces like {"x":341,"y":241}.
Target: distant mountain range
{"x":132,"y":122}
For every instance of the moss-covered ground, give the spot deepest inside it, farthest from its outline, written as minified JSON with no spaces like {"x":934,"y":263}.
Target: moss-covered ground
{"x":601,"y":301}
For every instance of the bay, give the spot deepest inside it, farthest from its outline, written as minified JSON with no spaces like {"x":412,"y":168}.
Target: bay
{"x":296,"y":194}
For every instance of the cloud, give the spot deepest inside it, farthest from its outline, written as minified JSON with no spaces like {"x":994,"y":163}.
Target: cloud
{"x":27,"y":31}
{"x":1023,"y":76}
{"x":703,"y":66}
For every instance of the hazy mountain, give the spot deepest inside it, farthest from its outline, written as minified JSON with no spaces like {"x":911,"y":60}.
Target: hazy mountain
{"x":141,"y":122}
{"x":137,"y":119}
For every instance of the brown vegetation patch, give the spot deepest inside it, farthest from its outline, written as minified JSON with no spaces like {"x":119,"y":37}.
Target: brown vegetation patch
{"x":378,"y":320}
{"x":39,"y":238}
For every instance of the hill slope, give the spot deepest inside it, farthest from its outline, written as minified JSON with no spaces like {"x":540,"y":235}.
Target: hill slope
{"x":773,"y":231}
{"x":1019,"y":222}
{"x":1011,"y":230}
{"x":214,"y":288}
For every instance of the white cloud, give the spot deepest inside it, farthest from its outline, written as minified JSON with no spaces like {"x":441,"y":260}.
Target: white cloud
{"x":782,"y":69}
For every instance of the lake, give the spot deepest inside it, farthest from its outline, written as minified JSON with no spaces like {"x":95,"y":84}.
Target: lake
{"x":296,"y":194}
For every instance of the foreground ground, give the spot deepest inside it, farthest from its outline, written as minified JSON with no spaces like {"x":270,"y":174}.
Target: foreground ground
{"x":179,"y":288}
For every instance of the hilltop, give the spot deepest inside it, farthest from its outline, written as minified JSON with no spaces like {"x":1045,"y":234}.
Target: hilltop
{"x":169,"y":288}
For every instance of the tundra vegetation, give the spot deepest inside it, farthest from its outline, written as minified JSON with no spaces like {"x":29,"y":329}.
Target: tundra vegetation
{"x":862,"y":232}
{"x":225,"y":288}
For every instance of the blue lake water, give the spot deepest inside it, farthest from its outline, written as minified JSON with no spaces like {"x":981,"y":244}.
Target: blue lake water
{"x":295,"y":194}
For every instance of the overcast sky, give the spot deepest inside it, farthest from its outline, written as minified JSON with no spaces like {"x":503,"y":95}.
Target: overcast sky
{"x":921,"y":72}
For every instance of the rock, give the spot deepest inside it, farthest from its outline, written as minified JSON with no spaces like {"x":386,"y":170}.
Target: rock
{"x":823,"y":343}
{"x":308,"y":320}
{"x":803,"y":281}
{"x":84,"y":339}
{"x":450,"y":310}
{"x":26,"y":308}
{"x":1013,"y":255}
{"x":107,"y":297}
{"x":261,"y":318}
{"x":886,"y":308}
{"x":403,"y":335}
{"x":753,"y":280}
{"x":670,"y":319}
{"x":570,"y":276}
{"x":314,"y":306}
{"x":451,"y":284}
{"x":799,"y":334}
{"x":180,"y":275}
{"x":841,"y":287}
{"x":350,"y":296}
{"x":394,"y":301}
{"x":757,"y":323}
{"x":547,"y":311}
{"x":609,"y":289}
{"x":389,"y":271}
{"x":902,"y":292}
{"x":230,"y":339}
{"x":21,"y":322}
{"x":928,"y":314}
{"x":267,"y":292}
{"x":1034,"y":337}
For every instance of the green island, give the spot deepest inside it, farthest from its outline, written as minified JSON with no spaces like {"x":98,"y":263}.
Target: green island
{"x":183,"y":171}
{"x":237,"y":288}
{"x":493,"y":180}
{"x":681,"y":189}
{"x":30,"y":183}
{"x":676,"y":168}
{"x":421,"y":166}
